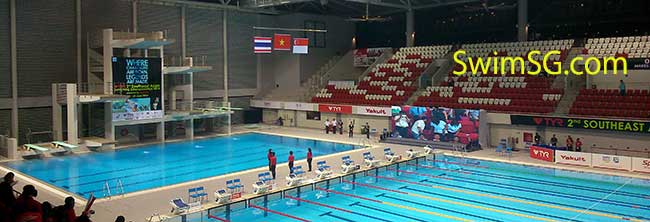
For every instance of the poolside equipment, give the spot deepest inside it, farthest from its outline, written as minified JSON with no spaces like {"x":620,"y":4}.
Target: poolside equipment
{"x":179,"y":206}
{"x":390,"y":156}
{"x":197,"y":194}
{"x":36,"y":151}
{"x":66,"y":146}
{"x":370,"y":160}
{"x":235,"y":186}
{"x":428,"y":150}
{"x":412,"y":153}
{"x":348,"y":165}
{"x":221,"y":196}
{"x":323,"y":170}
{"x":260,"y":187}
{"x":265,"y":177}
{"x":295,"y":178}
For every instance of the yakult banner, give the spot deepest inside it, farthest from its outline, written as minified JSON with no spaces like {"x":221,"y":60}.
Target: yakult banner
{"x":372,"y":111}
{"x":611,"y":161}
{"x":641,"y":164}
{"x":572,"y":158}
{"x":300,"y":106}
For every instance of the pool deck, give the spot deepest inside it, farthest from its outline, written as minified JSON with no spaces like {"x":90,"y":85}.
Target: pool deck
{"x":140,"y":205}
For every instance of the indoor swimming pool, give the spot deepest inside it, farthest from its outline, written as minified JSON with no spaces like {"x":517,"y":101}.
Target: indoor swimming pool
{"x":151,"y":166}
{"x":450,"y":189}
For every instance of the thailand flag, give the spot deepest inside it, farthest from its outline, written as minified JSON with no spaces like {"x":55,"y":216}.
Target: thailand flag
{"x":300,"y":45}
{"x":262,"y":44}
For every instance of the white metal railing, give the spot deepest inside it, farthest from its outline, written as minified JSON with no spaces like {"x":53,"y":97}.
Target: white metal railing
{"x":185,"y":61}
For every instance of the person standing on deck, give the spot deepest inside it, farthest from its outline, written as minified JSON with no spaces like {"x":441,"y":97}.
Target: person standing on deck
{"x":290,"y":160}
{"x":351,"y":129}
{"x":309,"y":158}
{"x":273,"y":163}
{"x":340,"y":127}
{"x":327,"y":126}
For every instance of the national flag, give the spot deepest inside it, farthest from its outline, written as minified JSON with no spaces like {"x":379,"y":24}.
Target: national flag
{"x":262,"y":44}
{"x":282,"y":42}
{"x":300,"y":45}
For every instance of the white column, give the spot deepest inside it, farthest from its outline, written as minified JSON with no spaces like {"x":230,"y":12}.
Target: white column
{"x":160,"y":135}
{"x":522,"y":20}
{"x":71,"y":101}
{"x":225,"y":67}
{"x":189,"y":129}
{"x":410,"y":24}
{"x":134,"y":16}
{"x":109,"y":128}
{"x":14,"y":71}
{"x":57,"y":125}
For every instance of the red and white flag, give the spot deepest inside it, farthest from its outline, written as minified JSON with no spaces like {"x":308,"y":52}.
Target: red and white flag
{"x":300,"y":45}
{"x":282,"y":42}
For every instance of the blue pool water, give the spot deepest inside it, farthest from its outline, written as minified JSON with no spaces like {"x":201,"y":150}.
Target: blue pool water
{"x":454,"y":190}
{"x":165,"y":164}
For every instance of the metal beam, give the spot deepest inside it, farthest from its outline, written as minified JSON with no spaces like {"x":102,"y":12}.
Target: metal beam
{"x":380,"y":3}
{"x":439,"y":4}
{"x":204,"y":5}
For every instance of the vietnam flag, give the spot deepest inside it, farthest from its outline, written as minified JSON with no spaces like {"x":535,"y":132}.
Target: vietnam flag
{"x":282,"y":42}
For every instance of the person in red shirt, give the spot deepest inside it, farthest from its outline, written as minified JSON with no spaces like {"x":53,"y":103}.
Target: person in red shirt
{"x":272,"y":164}
{"x":309,"y":158}
{"x":68,"y":209}
{"x":291,"y":159}
{"x":569,"y":143}
{"x":26,"y":208}
{"x":578,"y":145}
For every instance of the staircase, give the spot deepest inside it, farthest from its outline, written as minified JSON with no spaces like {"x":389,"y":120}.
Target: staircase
{"x":570,"y":83}
{"x":436,"y":78}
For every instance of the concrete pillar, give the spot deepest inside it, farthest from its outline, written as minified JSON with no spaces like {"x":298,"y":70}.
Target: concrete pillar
{"x":172,"y":98}
{"x":107,"y":38}
{"x":189,"y":129}
{"x":71,"y":101}
{"x":14,"y":71}
{"x":57,"y":124}
{"x":134,"y":16}
{"x":410,"y":27}
{"x":183,"y":34}
{"x":225,"y":67}
{"x":12,"y":148}
{"x":522,"y":20}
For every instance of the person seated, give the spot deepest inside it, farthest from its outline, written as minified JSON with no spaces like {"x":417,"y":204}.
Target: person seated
{"x":26,"y":207}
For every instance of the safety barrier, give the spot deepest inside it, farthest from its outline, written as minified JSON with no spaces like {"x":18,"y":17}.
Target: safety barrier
{"x":222,"y":212}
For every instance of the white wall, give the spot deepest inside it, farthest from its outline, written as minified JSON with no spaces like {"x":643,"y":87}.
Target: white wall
{"x":593,"y":140}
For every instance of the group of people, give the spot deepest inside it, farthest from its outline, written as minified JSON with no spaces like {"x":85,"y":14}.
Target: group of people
{"x":334,"y":125}
{"x":273,"y":161}
{"x":437,"y":124}
{"x":571,"y":145}
{"x":25,"y":207}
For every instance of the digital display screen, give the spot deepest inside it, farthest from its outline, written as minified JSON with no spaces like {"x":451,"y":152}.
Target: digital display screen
{"x":140,"y":80}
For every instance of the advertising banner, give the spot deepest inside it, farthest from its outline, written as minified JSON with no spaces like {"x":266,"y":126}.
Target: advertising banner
{"x":573,"y":158}
{"x":372,"y":111}
{"x":326,"y":108}
{"x":641,"y":164}
{"x":583,"y":123}
{"x":542,"y":153}
{"x":300,"y":106}
{"x":266,"y":104}
{"x":140,"y":80}
{"x":611,"y":161}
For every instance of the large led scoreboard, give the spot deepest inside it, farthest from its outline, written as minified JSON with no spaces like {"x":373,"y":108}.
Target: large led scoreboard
{"x":140,"y":80}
